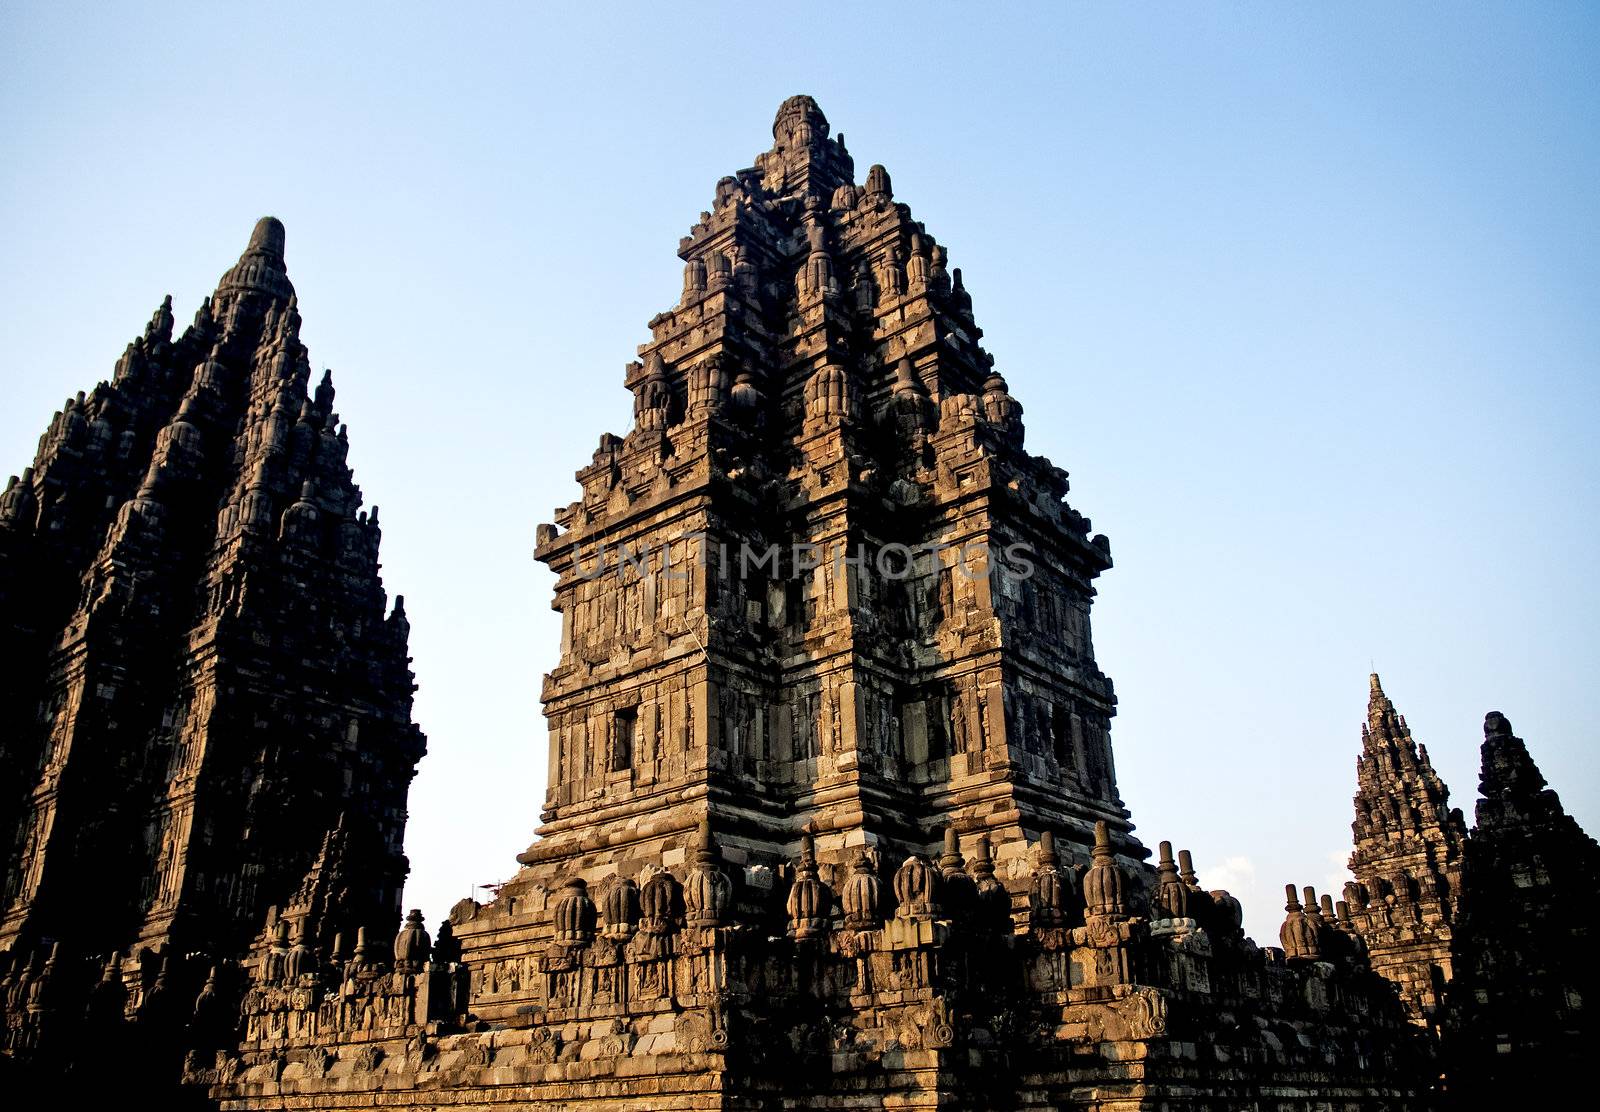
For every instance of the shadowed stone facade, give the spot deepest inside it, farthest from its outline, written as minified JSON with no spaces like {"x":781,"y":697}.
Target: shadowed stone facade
{"x":1522,"y":1018}
{"x":832,"y":818}
{"x":203,"y":677}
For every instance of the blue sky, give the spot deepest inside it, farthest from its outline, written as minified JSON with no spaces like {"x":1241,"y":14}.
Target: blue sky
{"x":1304,"y":298}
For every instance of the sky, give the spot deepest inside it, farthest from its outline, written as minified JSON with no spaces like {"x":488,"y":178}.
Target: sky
{"x":1304,"y":298}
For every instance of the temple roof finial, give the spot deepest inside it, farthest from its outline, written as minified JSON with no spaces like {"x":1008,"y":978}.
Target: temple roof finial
{"x":797,"y":112}
{"x":267,"y":238}
{"x":1509,"y":774}
{"x":261,"y":268}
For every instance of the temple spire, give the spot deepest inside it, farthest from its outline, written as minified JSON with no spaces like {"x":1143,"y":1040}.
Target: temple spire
{"x":1531,"y":897}
{"x":803,"y":158}
{"x":1383,"y":722}
{"x":172,"y":522}
{"x":261,"y":269}
{"x":1407,"y":860}
{"x":1510,"y":783}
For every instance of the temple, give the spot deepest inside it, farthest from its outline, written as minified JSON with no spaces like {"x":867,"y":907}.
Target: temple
{"x":1478,"y":930}
{"x":1410,"y":846}
{"x":1526,"y":993}
{"x":832,"y":816}
{"x":205,"y":683}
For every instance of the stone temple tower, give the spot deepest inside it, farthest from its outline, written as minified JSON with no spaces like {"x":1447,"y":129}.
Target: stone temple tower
{"x":1409,"y":848}
{"x":203,"y":674}
{"x":1522,"y":1017}
{"x":820,"y":584}
{"x":832,"y":819}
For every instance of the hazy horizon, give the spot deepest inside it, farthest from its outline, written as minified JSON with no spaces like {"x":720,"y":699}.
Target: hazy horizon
{"x":1304,"y":300}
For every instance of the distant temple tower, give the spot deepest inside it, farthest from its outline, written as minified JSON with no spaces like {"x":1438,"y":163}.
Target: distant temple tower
{"x":1483,"y":932}
{"x":203,"y":675}
{"x":1525,"y":1003}
{"x":1409,"y":848}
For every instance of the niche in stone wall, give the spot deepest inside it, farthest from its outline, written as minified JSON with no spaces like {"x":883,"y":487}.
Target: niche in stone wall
{"x":624,"y":726}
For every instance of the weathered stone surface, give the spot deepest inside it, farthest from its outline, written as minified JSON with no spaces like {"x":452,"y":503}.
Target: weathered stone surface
{"x":203,"y":679}
{"x":818,"y":833}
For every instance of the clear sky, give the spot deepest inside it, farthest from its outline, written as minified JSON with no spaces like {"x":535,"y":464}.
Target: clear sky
{"x":1304,"y":298}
